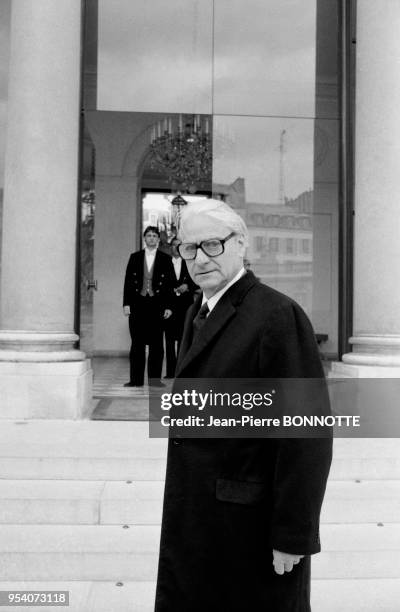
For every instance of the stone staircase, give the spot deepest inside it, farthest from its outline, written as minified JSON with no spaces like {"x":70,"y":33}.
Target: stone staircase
{"x":81,"y":506}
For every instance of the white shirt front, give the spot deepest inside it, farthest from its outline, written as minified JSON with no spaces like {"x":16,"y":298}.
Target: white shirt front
{"x":213,"y":300}
{"x":177,"y":261}
{"x":150,"y":255}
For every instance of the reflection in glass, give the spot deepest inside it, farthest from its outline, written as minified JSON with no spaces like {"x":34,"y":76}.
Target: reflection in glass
{"x":264,"y":57}
{"x":181,"y":149}
{"x":87,"y":216}
{"x":274,"y":156}
{"x":279,"y":174}
{"x":266,"y":73}
{"x":5,"y":11}
{"x":155,"y":56}
{"x":158,"y":210}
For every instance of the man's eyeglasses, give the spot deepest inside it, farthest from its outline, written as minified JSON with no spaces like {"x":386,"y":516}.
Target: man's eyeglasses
{"x":211,"y":247}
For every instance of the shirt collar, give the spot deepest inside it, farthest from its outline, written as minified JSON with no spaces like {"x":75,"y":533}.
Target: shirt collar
{"x":150,"y":252}
{"x":212,"y":301}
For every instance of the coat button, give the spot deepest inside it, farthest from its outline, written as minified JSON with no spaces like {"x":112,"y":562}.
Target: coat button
{"x":176,"y":442}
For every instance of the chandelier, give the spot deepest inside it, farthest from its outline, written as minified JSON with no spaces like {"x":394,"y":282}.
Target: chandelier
{"x":181,"y":149}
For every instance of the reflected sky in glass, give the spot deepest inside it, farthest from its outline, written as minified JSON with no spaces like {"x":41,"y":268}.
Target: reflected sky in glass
{"x":199,"y":56}
{"x":155,"y":56}
{"x":249,"y":147}
{"x":264,"y":57}
{"x":5,"y":9}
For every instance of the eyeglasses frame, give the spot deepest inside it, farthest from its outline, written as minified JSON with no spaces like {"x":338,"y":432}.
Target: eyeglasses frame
{"x":198,"y":246}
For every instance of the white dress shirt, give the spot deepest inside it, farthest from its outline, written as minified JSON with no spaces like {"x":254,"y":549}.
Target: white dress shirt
{"x":177,"y":261}
{"x":150,"y":255}
{"x":213,"y":300}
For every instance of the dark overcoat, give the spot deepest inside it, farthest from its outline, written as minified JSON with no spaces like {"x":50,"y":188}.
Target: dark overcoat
{"x":228,"y":503}
{"x":180,"y":303}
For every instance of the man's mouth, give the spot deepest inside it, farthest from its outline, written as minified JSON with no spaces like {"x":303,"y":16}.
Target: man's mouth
{"x":204,"y":272}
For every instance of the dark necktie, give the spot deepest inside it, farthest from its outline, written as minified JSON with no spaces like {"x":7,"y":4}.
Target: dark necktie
{"x":200,"y":319}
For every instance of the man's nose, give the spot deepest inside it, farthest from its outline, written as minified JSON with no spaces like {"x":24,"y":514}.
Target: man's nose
{"x":201,"y":257}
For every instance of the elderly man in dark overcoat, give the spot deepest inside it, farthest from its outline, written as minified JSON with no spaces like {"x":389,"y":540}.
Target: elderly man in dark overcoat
{"x":147,"y":301}
{"x":241,"y":516}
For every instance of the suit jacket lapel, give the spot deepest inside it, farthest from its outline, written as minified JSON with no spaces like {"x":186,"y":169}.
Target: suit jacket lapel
{"x":156,"y":264}
{"x":182,"y":273}
{"x":217,"y":319}
{"x":140,"y":270}
{"x":188,"y":330}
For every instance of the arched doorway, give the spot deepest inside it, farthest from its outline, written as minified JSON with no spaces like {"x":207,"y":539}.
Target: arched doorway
{"x":126,"y":193}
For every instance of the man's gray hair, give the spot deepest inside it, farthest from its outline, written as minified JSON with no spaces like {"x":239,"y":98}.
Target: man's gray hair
{"x":216,"y":210}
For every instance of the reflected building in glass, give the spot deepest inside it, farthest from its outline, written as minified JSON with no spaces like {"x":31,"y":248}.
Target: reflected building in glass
{"x":253,"y":102}
{"x":270,"y":96}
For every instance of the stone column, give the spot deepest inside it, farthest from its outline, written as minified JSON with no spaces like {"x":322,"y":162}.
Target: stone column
{"x":376,"y":324}
{"x":41,"y":372}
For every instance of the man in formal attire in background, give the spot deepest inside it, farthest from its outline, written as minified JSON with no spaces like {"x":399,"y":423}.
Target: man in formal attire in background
{"x":241,"y":516}
{"x":147,"y":301}
{"x":183,"y":290}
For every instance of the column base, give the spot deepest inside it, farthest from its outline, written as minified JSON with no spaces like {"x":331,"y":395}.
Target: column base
{"x":60,"y":390}
{"x":43,"y":377}
{"x":372,"y":357}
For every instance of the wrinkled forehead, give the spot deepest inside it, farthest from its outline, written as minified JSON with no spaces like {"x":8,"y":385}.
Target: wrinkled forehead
{"x":201,"y":227}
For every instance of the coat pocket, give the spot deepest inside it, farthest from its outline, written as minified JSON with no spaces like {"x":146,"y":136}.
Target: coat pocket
{"x":239,"y":492}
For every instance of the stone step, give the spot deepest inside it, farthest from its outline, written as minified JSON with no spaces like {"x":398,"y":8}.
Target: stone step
{"x":82,"y":468}
{"x":365,"y":468}
{"x":140,"y":502}
{"x":361,"y":501}
{"x":153,"y":468}
{"x":54,"y":552}
{"x":81,"y":502}
{"x":374,"y":595}
{"x":80,"y":450}
{"x":110,"y":553}
{"x":99,"y":450}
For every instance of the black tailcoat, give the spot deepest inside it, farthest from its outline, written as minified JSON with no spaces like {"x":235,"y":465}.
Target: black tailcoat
{"x":146,"y":318}
{"x":173,"y":326}
{"x":229,"y":502}
{"x":163,"y":278}
{"x":180,"y":303}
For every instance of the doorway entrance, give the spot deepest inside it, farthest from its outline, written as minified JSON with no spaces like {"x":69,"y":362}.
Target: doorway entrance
{"x":275,"y":126}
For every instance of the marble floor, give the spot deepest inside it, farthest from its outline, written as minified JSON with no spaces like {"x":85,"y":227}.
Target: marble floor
{"x":111,"y":400}
{"x":110,"y":374}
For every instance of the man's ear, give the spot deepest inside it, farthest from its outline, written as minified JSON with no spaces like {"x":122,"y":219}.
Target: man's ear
{"x":242,"y":245}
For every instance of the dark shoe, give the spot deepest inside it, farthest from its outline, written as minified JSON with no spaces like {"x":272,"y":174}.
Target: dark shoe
{"x":168,"y":377}
{"x":131,"y":384}
{"x":157,"y":383}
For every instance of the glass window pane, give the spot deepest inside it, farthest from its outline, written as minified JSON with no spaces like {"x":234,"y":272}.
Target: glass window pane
{"x":281,"y":176}
{"x":5,"y":10}
{"x":264,"y":62}
{"x":249,"y":149}
{"x":327,"y":85}
{"x":266,"y":73}
{"x":155,"y":56}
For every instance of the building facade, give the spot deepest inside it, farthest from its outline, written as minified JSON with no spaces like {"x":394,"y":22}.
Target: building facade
{"x":299,"y":102}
